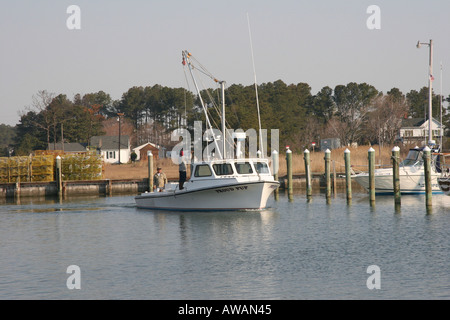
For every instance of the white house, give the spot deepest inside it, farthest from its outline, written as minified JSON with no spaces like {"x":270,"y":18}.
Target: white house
{"x":108,"y":147}
{"x":415,"y":130}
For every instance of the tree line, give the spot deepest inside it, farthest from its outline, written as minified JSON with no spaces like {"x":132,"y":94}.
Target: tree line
{"x":356,"y":112}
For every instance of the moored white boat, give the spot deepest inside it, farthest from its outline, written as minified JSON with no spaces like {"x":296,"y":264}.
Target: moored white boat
{"x":412,"y":176}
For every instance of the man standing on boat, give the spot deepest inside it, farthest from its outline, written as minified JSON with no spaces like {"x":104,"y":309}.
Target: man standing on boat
{"x":159,"y":180}
{"x":182,"y":170}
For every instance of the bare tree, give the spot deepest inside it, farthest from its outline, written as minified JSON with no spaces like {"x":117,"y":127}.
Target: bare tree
{"x":311,"y":132}
{"x":337,"y":129}
{"x":40,"y":103}
{"x":385,"y":119}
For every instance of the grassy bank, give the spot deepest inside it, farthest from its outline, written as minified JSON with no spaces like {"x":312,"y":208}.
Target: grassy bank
{"x":359,"y":162}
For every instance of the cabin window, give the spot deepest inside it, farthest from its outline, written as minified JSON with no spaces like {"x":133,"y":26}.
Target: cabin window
{"x":261,"y":167}
{"x":202,"y":170}
{"x":222,"y":169}
{"x":244,"y":168}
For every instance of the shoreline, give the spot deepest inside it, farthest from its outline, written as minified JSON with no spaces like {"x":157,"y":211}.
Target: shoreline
{"x":109,"y":187}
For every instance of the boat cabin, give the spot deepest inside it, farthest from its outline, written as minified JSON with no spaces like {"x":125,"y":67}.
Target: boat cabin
{"x":415,"y":158}
{"x":229,"y":168}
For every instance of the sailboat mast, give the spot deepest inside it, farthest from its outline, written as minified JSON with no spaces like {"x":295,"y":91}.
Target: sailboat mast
{"x":440,"y":110}
{"x":261,"y":147}
{"x":430,"y":96}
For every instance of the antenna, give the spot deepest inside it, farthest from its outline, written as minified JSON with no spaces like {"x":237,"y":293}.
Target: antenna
{"x":256,"y":87}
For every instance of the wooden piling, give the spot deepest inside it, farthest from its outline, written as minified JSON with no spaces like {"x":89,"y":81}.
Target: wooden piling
{"x":58,"y":175}
{"x":109,"y":187}
{"x":275,"y":167}
{"x":289,"y":171}
{"x":328,"y":173}
{"x":427,"y":168}
{"x":372,"y":175}
{"x":334,"y":179}
{"x":150,"y":171}
{"x":17,"y":190}
{"x":306,"y":157}
{"x":348,"y":174}
{"x":396,"y":174}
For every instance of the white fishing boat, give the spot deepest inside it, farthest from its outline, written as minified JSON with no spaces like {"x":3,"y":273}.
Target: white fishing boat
{"x":231,"y":184}
{"x":222,"y":183}
{"x":411,"y":172}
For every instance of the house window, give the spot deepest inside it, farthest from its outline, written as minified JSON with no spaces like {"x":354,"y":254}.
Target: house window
{"x":110,"y":155}
{"x":408,"y":133}
{"x":437,"y":133}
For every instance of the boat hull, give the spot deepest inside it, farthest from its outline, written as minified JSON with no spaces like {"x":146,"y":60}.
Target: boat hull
{"x":444,"y":185}
{"x":411,"y":183}
{"x":242,"y":196}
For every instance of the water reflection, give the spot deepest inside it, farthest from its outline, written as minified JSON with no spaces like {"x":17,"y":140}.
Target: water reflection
{"x":299,"y":249}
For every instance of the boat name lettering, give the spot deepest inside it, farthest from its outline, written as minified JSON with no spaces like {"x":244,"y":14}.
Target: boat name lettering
{"x":231,"y":189}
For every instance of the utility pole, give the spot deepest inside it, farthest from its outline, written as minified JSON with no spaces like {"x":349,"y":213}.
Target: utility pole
{"x":120,"y":115}
{"x":430,"y":89}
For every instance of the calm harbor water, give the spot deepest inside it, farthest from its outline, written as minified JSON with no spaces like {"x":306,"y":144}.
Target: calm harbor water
{"x":293,"y":250}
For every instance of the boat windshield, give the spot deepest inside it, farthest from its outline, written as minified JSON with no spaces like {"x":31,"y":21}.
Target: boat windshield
{"x":413,"y":157}
{"x":244,"y":168}
{"x":262,"y":167}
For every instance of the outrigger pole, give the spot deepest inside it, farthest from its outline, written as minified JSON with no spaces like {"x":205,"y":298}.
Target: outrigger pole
{"x":186,"y":60}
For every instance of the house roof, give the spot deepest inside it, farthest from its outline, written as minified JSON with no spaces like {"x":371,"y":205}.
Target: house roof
{"x":412,"y":122}
{"x":68,"y":147}
{"x":415,"y":122}
{"x":111,"y":142}
{"x":144,"y":145}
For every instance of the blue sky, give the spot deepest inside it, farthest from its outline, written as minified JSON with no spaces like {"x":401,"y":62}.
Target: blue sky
{"x":138,"y":43}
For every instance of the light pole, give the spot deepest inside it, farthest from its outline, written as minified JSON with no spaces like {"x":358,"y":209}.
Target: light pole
{"x":120,"y":115}
{"x":430,"y":93}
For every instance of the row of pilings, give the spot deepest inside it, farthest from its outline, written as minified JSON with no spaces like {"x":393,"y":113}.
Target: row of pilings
{"x":395,"y":159}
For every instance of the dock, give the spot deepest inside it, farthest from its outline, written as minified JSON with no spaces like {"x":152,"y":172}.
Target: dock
{"x":126,"y":186}
{"x":94,"y":187}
